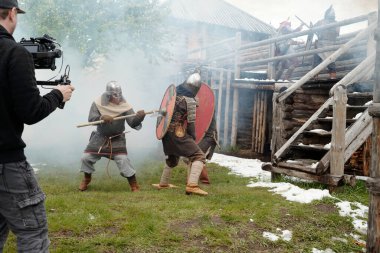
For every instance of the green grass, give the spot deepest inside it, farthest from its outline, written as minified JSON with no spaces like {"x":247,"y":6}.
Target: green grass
{"x":109,"y":218}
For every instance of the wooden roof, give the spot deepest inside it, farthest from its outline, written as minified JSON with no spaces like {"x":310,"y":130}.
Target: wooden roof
{"x":217,"y":12}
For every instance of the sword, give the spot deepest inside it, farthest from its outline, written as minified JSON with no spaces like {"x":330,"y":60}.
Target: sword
{"x":302,"y":21}
{"x":155,"y":113}
{"x":309,"y":39}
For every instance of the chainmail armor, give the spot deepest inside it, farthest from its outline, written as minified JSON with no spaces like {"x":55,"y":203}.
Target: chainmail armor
{"x":191,"y":109}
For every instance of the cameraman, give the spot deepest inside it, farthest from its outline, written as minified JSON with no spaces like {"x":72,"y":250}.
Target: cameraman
{"x":22,"y":208}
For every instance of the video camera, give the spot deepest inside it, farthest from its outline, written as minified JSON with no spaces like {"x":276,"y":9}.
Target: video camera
{"x":43,"y":50}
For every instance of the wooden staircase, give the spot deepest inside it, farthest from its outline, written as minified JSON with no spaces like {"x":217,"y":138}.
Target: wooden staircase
{"x":308,"y":153}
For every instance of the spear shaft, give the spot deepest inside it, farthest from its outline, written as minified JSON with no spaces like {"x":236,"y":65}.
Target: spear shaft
{"x":117,"y":118}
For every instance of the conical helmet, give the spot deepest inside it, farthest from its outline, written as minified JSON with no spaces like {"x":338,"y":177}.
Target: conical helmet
{"x":330,"y":13}
{"x":113,"y":89}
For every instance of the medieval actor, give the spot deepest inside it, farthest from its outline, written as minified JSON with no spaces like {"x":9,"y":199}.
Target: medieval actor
{"x":326,"y":37}
{"x":109,"y":138}
{"x":207,"y":145}
{"x":179,"y":140}
{"x":285,"y":47}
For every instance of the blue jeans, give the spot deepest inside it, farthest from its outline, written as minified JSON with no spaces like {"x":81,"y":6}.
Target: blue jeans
{"x":22,"y":208}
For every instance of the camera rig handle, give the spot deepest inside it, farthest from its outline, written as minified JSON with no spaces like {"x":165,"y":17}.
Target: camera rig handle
{"x":63,"y":80}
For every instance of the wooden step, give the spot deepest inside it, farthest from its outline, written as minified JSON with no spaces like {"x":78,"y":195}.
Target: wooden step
{"x":305,"y":165}
{"x":310,"y":148}
{"x":323,"y":133}
{"x":329,"y":120}
{"x":367,"y":95}
{"x":355,"y":107}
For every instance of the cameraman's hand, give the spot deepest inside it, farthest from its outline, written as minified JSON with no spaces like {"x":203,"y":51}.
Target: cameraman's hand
{"x":106,"y":118}
{"x":66,"y":91}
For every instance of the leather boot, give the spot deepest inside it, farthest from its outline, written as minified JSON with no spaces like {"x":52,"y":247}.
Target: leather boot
{"x":332,"y":75}
{"x":85,"y":182}
{"x":204,"y":176}
{"x":133,"y":183}
{"x":194,"y":189}
{"x":192,"y":185}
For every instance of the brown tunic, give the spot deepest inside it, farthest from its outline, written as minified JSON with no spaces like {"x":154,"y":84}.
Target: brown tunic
{"x":180,"y":146}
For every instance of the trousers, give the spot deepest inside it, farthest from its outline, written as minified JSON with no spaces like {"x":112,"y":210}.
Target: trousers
{"x":22,"y":208}
{"x":125,"y":167}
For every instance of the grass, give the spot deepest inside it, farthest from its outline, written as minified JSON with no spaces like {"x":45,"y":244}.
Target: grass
{"x":109,"y":218}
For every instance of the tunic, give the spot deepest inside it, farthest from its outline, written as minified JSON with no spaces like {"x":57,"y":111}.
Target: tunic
{"x":110,"y":138}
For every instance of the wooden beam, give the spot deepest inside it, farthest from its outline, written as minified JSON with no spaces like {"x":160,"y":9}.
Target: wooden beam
{"x":226,"y":109}
{"x":358,"y":141}
{"x":254,"y":120}
{"x":373,"y":183}
{"x":235,"y":111}
{"x":235,"y":106}
{"x":290,"y":172}
{"x":263,"y":128}
{"x":220,"y":95}
{"x":253,"y":86}
{"x":338,"y":135}
{"x":305,"y":32}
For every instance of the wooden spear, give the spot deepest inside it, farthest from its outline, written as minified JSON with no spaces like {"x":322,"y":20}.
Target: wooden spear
{"x":159,"y":112}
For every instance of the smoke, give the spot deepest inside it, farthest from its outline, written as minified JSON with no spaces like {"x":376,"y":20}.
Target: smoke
{"x":57,"y":140}
{"x":275,"y":11}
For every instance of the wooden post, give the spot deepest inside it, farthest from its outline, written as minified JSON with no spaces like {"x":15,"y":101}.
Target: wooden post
{"x":337,"y":132}
{"x":373,"y":183}
{"x":277,"y":130}
{"x":263,"y":127}
{"x":271,"y":71}
{"x":220,"y":95}
{"x":371,"y":43}
{"x":227,"y":108}
{"x":254,"y":120}
{"x":235,"y":107}
{"x":260,"y":122}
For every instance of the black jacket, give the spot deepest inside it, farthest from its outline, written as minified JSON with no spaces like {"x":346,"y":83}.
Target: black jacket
{"x":20,"y":99}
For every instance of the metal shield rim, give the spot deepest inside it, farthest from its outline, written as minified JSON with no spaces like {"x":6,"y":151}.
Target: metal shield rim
{"x":168,"y":116}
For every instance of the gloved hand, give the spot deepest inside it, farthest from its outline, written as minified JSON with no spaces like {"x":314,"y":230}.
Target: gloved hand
{"x":107,"y":119}
{"x":140,"y":115}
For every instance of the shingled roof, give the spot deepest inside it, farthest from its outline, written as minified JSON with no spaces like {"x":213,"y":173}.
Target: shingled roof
{"x":217,"y":12}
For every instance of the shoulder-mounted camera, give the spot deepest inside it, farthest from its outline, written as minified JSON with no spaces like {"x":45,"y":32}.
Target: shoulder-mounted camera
{"x":43,"y":50}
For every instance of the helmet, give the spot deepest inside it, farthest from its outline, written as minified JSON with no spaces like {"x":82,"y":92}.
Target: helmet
{"x":113,"y":89}
{"x":330,"y":13}
{"x":285,"y":26}
{"x":193,"y":82}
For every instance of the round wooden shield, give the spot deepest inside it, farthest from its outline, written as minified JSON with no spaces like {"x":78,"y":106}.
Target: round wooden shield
{"x":205,"y":111}
{"x":167,"y":105}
